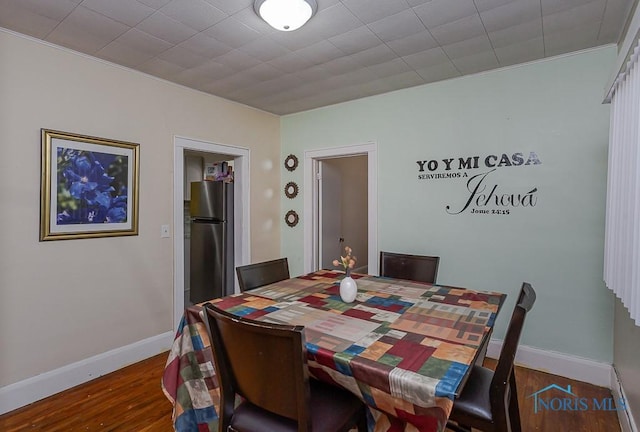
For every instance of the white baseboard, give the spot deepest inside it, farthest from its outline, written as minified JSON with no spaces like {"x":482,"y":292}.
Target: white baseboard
{"x":49,"y":383}
{"x":627,"y":423}
{"x":568,"y":366}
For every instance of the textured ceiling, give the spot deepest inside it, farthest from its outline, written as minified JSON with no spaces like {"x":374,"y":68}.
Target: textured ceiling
{"x":348,"y":50}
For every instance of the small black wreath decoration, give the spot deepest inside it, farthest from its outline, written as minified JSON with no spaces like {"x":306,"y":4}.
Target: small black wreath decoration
{"x":291,"y":218}
{"x":291,"y":162}
{"x":291,"y":190}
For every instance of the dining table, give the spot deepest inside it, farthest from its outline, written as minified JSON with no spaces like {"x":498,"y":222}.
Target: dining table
{"x":404,"y":347}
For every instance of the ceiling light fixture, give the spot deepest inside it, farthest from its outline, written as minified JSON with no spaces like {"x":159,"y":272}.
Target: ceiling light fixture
{"x":285,"y":15}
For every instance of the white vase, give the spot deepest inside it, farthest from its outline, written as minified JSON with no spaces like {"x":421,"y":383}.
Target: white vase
{"x":348,"y":289}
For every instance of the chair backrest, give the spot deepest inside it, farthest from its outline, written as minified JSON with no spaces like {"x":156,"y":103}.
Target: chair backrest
{"x":412,"y":267}
{"x":264,"y":273}
{"x":504,"y":368}
{"x":264,"y":363}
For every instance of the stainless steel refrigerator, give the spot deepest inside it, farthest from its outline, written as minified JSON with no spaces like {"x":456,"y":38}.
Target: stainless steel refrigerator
{"x":212,"y":254}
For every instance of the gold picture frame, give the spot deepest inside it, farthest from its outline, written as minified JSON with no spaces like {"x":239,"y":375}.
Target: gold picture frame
{"x":89,"y":186}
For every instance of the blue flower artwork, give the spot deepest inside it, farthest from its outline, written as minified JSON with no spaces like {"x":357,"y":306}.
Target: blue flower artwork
{"x":92,"y":187}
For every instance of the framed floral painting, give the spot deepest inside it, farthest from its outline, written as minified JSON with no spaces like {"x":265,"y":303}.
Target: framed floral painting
{"x":89,"y":187}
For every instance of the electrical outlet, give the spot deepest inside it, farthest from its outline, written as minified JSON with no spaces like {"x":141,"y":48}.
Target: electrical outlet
{"x":164,"y":231}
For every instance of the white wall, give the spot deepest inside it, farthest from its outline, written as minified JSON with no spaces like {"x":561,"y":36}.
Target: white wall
{"x":65,"y":301}
{"x":552,"y":107}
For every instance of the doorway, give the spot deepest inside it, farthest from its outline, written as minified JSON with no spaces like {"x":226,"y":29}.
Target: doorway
{"x":314,"y":161}
{"x":183,"y":148}
{"x":342,"y":204}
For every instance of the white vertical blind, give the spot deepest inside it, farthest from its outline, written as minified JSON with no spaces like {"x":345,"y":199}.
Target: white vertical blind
{"x":622,"y":235}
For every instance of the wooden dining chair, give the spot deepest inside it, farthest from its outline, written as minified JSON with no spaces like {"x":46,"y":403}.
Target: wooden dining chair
{"x":489,"y":400}
{"x":412,"y":267}
{"x":266,"y":364}
{"x":260,"y":274}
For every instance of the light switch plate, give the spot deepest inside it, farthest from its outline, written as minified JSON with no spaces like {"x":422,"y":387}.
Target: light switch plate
{"x":164,"y":231}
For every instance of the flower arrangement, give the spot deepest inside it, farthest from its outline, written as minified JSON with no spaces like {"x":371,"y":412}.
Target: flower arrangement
{"x":348,"y":261}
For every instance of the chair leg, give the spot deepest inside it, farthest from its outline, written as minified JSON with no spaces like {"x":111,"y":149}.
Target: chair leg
{"x":514,"y":411}
{"x":362,"y":421}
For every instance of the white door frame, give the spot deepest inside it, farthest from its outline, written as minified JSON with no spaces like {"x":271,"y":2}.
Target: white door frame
{"x":311,"y":160}
{"x":240,"y":205}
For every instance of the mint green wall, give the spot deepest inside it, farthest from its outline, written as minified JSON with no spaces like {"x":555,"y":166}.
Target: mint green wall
{"x":552,"y":108}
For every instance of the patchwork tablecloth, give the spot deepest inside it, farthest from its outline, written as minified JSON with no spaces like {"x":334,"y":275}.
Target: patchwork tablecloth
{"x":403,"y":347}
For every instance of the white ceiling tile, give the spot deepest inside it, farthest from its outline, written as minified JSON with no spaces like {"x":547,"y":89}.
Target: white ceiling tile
{"x":350,"y":49}
{"x":233,"y":82}
{"x":477,"y":62}
{"x":182,"y":57}
{"x":438,"y":12}
{"x":155,"y":4}
{"x":320,"y":52}
{"x":468,"y":47}
{"x":393,"y":67}
{"x":197,"y":14}
{"x":369,"y":11}
{"x":306,"y":89}
{"x":554,"y":6}
{"x":516,"y":34}
{"x":341,"y":65}
{"x":263,"y":72}
{"x":438,"y":72}
{"x":413,"y":44}
{"x":413,"y":3}
{"x":280,"y":84}
{"x":404,"y":80}
{"x":459,"y":30}
{"x":160,"y":68}
{"x":26,"y":21}
{"x":375,"y":87}
{"x":330,"y":21}
{"x":296,"y":39}
{"x":615,"y":14}
{"x":165,"y":28}
{"x":291,"y":62}
{"x":580,"y":37}
{"x":427,"y":58}
{"x":57,"y":10}
{"x":397,"y":26}
{"x":520,"y":52}
{"x":268,"y":103}
{"x":231,"y":6}
{"x":232,"y":32}
{"x":205,"y":73}
{"x":312,"y":74}
{"x":355,"y":40}
{"x":86,"y":31}
{"x":121,"y":53}
{"x":590,"y":13}
{"x":129,"y":12}
{"x":237,"y":60}
{"x":347,"y":79}
{"x":511,"y":14}
{"x":373,"y":56}
{"x":264,"y":49}
{"x":485,"y":5}
{"x":205,"y":46}
{"x":248,"y":17}
{"x":143,"y":42}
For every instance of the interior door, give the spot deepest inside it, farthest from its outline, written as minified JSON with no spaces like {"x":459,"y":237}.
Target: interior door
{"x":330,"y":214}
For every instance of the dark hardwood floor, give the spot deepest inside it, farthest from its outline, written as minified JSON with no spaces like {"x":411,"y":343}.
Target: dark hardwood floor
{"x":131,"y":400}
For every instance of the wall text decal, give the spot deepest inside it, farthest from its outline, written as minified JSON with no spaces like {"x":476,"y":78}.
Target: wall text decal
{"x":483,"y":196}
